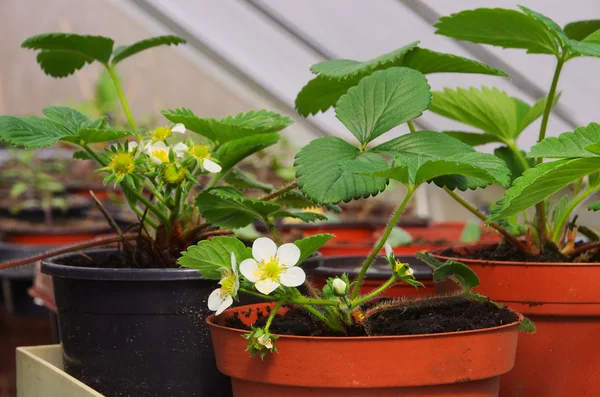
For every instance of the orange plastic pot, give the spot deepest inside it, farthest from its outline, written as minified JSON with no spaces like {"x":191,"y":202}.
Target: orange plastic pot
{"x":467,"y":364}
{"x":379,"y":273}
{"x":562,"y":358}
{"x":51,"y":239}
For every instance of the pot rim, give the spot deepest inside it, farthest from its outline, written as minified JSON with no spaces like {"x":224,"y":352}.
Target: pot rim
{"x":486,"y":262}
{"x":210,"y":321}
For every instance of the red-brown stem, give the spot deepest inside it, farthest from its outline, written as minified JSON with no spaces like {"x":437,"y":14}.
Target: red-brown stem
{"x":279,"y":191}
{"x":70,"y":248}
{"x":585,"y":247}
{"x":223,"y":232}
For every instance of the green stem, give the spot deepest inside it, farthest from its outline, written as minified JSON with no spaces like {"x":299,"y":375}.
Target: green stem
{"x":140,"y":214}
{"x":374,"y":293}
{"x":272,"y":315}
{"x":257,"y":294}
{"x":332,"y":325}
{"x":117,"y":84}
{"x":301,"y":301}
{"x":557,"y":233}
{"x":273,"y":231}
{"x":393,"y":221}
{"x":541,"y":207}
{"x":280,"y":191}
{"x":411,"y":126}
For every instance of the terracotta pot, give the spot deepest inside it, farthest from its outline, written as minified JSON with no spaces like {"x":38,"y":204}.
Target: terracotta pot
{"x":50,"y":240}
{"x":379,"y":273}
{"x":563,"y":299}
{"x":439,"y":365}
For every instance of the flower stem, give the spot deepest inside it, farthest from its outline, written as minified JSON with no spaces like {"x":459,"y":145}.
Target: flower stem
{"x":280,"y":191}
{"x":541,"y":206}
{"x":374,"y":293}
{"x":557,"y":232}
{"x":117,"y":84}
{"x":330,"y":324}
{"x":505,"y":233}
{"x":257,"y":294}
{"x":411,"y":126}
{"x":392,"y":222}
{"x":519,"y":155}
{"x":273,"y":314}
{"x":273,"y":231}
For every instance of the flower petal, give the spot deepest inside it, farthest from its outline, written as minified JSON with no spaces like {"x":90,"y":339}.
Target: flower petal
{"x":288,"y":255}
{"x":292,"y":277}
{"x":132,"y":146}
{"x":266,"y":286}
{"x":215,"y":300}
{"x":179,"y":128}
{"x":388,"y":250}
{"x":228,"y":301}
{"x":211,"y":166}
{"x":233,"y":262}
{"x":179,"y":149}
{"x":263,"y":249}
{"x":249,"y":269}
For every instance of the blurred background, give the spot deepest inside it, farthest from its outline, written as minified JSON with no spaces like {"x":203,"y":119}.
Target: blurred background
{"x":252,"y":54}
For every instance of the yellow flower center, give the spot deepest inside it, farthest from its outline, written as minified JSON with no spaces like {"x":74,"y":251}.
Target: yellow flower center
{"x":161,"y":133}
{"x":200,"y":152}
{"x":228,"y":284}
{"x":122,"y":164}
{"x":173,"y":174}
{"x":162,"y":155}
{"x":407,"y":272}
{"x":270,"y":269}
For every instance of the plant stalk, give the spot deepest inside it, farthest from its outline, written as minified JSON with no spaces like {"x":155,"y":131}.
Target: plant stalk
{"x":374,"y":293}
{"x":392,"y":222}
{"x":272,"y":315}
{"x":280,"y":191}
{"x":557,"y":232}
{"x":411,"y":126}
{"x":505,"y":233}
{"x":126,"y":109}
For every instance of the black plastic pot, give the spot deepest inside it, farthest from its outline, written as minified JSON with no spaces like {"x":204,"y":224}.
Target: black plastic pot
{"x":137,"y":332}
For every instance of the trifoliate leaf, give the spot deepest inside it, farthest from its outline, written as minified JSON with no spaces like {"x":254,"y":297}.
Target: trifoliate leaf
{"x":552,"y":26}
{"x":383,"y":101}
{"x":471,"y":233}
{"x":345,"y":68}
{"x":568,"y":144}
{"x":69,"y":118}
{"x":304,"y":216}
{"x":322,"y":178}
{"x":231,"y":127}
{"x":208,"y":256}
{"x":500,"y":27}
{"x":93,"y":135}
{"x":321,"y":93}
{"x":123,"y":52}
{"x":594,"y":206}
{"x":240,"y":179}
{"x":513,"y":163}
{"x":228,"y":207}
{"x":538,"y":183}
{"x":581,"y":29}
{"x":64,"y":53}
{"x":458,"y":272}
{"x":472,"y":138}
{"x":429,"y":61}
{"x":310,"y":245}
{"x":31,"y":131}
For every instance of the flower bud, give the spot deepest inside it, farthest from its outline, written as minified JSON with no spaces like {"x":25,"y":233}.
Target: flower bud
{"x":340,"y":288}
{"x":173,"y":175}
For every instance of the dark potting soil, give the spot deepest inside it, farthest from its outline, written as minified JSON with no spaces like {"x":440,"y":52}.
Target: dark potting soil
{"x":510,"y":253}
{"x":122,"y":259}
{"x":426,"y":317}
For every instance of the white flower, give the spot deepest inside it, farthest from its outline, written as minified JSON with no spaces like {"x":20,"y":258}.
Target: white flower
{"x":265,"y":341}
{"x":178,"y":128}
{"x":180,"y":149}
{"x":339,"y":286}
{"x":388,"y":250}
{"x":132,"y":146}
{"x":272,"y":266}
{"x":221,"y":298}
{"x":158,"y":152}
{"x":211,"y":166}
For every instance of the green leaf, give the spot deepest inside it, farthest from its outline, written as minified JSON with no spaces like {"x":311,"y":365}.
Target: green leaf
{"x":532,"y":113}
{"x":589,"y":47}
{"x":594,"y":206}
{"x":538,"y":183}
{"x":512,"y":162}
{"x":569,"y":144}
{"x":18,"y":189}
{"x":228,"y":207}
{"x":459,"y":272}
{"x":93,"y":135}
{"x":345,"y":68}
{"x":559,"y":210}
{"x":231,"y":127}
{"x":241,"y":179}
{"x":208,"y":256}
{"x":69,"y":118}
{"x":64,"y":53}
{"x":31,"y":131}
{"x":472,"y":138}
{"x":310,"y":245}
{"x":126,"y":51}
{"x":82,"y":155}
{"x":399,"y":237}
{"x":321,"y":93}
{"x":527,"y":326}
{"x":321,"y":175}
{"x":490,"y":110}
{"x":581,"y":29}
{"x":294,"y":199}
{"x":304,"y":216}
{"x":383,"y":101}
{"x":428,"y":154}
{"x":552,"y":26}
{"x":500,"y":27}
{"x":429,"y":61}
{"x":232,"y":152}
{"x":471,"y":233}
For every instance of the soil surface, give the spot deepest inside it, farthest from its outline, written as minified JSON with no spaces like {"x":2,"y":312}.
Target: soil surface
{"x":121,"y":259}
{"x":507,"y":252}
{"x":426,"y":317}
